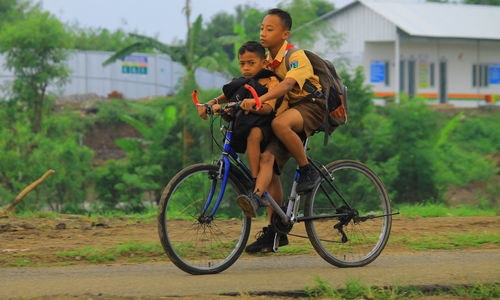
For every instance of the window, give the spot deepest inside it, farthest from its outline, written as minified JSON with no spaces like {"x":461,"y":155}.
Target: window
{"x":480,"y":75}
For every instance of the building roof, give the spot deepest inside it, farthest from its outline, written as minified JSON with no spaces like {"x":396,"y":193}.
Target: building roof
{"x":441,"y":20}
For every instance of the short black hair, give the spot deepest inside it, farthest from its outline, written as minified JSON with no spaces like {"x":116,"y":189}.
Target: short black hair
{"x":286,"y":19}
{"x":254,"y":47}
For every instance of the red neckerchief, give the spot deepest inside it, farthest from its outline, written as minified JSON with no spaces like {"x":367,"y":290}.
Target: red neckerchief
{"x":276,"y":62}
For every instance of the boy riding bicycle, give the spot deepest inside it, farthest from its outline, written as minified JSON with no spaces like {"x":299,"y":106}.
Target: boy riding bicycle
{"x":303,"y":116}
{"x":252,"y":63}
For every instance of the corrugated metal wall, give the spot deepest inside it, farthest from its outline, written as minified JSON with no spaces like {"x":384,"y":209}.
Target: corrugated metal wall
{"x":137,"y":76}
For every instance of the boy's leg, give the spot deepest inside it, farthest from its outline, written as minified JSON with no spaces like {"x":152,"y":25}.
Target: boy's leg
{"x":265,"y":174}
{"x":254,"y":139}
{"x":285,"y":127}
{"x":269,"y":181}
{"x":276,"y":191}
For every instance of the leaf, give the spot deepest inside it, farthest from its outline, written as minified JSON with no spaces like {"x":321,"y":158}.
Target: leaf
{"x":145,"y":42}
{"x":445,"y":132}
{"x":124,"y":52}
{"x":169,"y":116}
{"x":127,"y":144}
{"x":141,"y":127}
{"x":209,"y":62}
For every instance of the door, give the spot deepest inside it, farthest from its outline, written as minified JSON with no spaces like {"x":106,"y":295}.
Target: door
{"x":443,"y":94}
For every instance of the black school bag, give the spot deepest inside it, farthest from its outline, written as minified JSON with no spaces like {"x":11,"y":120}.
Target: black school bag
{"x":243,"y":123}
{"x":333,"y":91}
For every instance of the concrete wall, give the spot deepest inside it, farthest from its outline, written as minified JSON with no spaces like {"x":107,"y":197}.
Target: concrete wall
{"x":159,"y":75}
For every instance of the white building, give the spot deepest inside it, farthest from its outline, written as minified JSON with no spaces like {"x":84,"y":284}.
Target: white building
{"x":446,"y":53}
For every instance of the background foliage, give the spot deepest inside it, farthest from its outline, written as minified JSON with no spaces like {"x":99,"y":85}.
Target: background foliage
{"x":421,"y":154}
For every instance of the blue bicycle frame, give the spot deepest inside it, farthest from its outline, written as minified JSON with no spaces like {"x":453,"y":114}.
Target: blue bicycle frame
{"x":224,"y":161}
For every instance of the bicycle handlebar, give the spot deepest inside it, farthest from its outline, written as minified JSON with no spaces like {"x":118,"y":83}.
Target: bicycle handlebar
{"x":233,"y":104}
{"x":255,"y":96}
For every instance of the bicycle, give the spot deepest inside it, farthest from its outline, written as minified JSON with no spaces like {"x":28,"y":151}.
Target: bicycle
{"x":347,"y":215}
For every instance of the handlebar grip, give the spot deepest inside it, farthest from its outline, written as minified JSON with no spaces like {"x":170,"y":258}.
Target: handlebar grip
{"x":254,"y":94}
{"x":195,"y":98}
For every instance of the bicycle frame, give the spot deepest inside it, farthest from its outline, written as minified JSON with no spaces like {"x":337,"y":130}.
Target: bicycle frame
{"x":291,"y":215}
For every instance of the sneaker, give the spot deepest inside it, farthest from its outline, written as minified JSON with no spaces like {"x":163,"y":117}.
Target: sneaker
{"x":249,"y":205}
{"x":265,"y":241}
{"x":308,"y":179}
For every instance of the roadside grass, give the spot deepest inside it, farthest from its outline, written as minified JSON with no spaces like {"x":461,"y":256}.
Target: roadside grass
{"x":148,"y":215}
{"x":355,"y":289}
{"x":133,"y":250}
{"x":453,"y":241}
{"x":151,"y":212}
{"x":441,"y":210}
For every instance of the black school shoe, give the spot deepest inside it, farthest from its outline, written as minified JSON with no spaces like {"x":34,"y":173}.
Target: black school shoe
{"x":249,"y":205}
{"x":308,"y":179}
{"x":265,"y":241}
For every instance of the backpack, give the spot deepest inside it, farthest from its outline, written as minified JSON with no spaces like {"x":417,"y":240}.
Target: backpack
{"x":243,"y":123}
{"x":333,"y":91}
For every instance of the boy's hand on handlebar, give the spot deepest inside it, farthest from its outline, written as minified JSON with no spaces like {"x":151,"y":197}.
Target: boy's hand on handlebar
{"x":202,"y":112}
{"x":216,"y":108}
{"x":248,"y":105}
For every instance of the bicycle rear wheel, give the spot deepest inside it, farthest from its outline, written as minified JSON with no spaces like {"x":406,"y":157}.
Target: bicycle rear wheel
{"x":359,"y":236}
{"x":196,"y":243}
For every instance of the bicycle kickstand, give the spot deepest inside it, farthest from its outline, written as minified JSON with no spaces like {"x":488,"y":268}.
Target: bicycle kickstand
{"x":276,"y":242}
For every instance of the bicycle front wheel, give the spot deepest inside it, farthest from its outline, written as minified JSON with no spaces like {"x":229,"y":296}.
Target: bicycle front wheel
{"x":359,"y":235}
{"x":197,"y":240}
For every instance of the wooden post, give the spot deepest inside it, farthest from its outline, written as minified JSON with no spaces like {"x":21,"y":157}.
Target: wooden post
{"x":28,"y":189}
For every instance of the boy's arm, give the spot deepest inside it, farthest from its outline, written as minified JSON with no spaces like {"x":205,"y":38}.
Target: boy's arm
{"x":267,"y":103}
{"x":249,"y":104}
{"x":202,"y":110}
{"x":280,"y":90}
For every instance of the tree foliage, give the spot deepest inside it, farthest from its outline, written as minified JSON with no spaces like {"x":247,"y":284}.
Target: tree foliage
{"x":36,"y":49}
{"x":100,"y":39}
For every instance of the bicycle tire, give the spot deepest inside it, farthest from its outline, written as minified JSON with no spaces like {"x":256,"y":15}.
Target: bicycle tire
{"x":364,"y":191}
{"x":195,"y":246}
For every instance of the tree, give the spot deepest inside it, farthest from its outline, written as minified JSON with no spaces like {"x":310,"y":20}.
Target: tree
{"x":100,"y":39}
{"x":306,"y":20}
{"x":190,"y":54}
{"x":11,"y":10}
{"x":36,"y":49}
{"x":483,"y":2}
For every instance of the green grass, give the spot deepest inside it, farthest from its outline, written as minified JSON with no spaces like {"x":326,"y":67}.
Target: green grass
{"x":453,"y":241}
{"x":151,"y":212}
{"x":355,"y":289}
{"x":441,"y":210}
{"x":139,"y":250}
{"x":39,"y":214}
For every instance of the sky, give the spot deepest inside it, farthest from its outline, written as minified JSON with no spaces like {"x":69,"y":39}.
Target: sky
{"x":159,"y":18}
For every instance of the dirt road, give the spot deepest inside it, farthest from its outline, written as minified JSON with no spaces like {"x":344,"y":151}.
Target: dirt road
{"x":40,"y":242}
{"x":273,"y":273}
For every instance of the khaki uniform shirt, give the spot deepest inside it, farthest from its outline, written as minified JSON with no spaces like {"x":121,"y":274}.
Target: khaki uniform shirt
{"x":269,"y":83}
{"x":300,"y":70}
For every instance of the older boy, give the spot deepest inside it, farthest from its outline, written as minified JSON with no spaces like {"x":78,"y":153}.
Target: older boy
{"x":304,"y":115}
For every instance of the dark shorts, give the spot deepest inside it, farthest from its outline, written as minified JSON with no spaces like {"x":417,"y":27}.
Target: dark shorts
{"x":313,"y":114}
{"x":280,"y":152}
